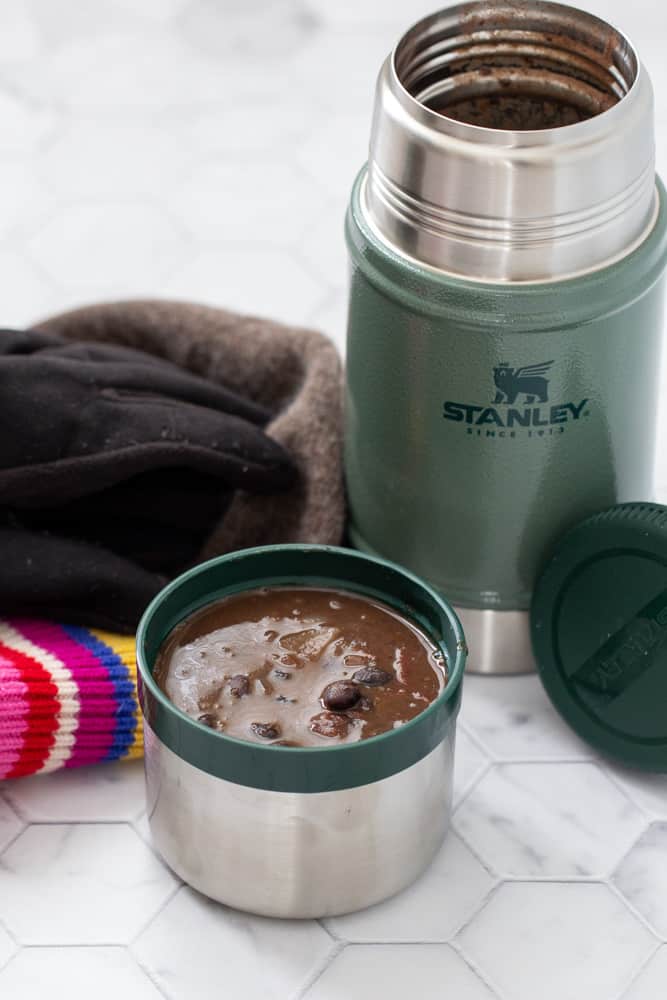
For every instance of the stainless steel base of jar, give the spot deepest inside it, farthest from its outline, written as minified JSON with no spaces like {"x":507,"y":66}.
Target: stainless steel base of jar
{"x":284,"y":854}
{"x":498,"y":641}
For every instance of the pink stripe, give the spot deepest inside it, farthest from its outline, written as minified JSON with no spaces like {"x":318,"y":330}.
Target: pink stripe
{"x":14,"y":741}
{"x":12,"y":713}
{"x":13,"y":707}
{"x":13,"y":693}
{"x":95,"y":689}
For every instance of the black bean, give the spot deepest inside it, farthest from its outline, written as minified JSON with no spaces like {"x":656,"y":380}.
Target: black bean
{"x":210,"y":720}
{"x":239,"y":685}
{"x":340,"y":695}
{"x":282,"y":674}
{"x":329,"y":724}
{"x":363,"y":705}
{"x":266,"y":730}
{"x":372,"y":676}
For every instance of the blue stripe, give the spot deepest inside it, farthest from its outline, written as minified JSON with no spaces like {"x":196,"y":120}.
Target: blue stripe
{"x":123,"y":686}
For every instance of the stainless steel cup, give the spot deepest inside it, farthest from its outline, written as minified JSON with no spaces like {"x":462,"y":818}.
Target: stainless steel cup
{"x":508,"y":243}
{"x":292,"y":831}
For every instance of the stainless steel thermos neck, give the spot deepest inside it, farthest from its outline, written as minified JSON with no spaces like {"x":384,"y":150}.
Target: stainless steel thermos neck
{"x":449,"y":187}
{"x":507,"y":240}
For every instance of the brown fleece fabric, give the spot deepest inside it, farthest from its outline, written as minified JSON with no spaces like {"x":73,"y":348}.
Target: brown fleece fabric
{"x":296,"y":373}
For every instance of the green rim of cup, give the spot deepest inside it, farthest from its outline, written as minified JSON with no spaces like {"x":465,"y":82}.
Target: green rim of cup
{"x":300,"y":769}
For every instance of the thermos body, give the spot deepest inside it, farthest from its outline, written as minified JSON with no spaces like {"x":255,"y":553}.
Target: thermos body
{"x":485,"y":420}
{"x":488,"y":412}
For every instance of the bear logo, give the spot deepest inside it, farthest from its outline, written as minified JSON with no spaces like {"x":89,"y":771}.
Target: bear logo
{"x":529,"y":380}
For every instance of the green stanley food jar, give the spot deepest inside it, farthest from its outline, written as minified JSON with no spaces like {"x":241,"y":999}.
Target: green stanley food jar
{"x":507,"y":239}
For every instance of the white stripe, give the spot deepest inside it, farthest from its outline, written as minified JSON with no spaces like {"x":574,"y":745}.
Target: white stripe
{"x":68,"y":694}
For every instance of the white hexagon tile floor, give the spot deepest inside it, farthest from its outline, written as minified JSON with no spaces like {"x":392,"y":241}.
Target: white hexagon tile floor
{"x":205,"y":149}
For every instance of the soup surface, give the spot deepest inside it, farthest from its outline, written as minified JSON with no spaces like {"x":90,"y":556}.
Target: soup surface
{"x":300,"y":667}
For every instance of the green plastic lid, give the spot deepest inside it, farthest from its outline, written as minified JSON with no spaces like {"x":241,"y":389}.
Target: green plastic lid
{"x":599,"y":630}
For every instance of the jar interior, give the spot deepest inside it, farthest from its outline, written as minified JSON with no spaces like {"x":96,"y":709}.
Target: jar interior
{"x":516,"y":66}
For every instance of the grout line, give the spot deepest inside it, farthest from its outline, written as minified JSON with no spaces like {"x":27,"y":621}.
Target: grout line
{"x":528,"y":879}
{"x":486,"y":865}
{"x":501,"y":763}
{"x":493,"y":891}
{"x":130,"y":824}
{"x":474,"y":738}
{"x":556,"y":761}
{"x":55,"y":287}
{"x":492,"y":755}
{"x":324,"y":924}
{"x":5,"y":965}
{"x":319,"y":184}
{"x":634,"y":911}
{"x":585,"y":756}
{"x":302,"y":992}
{"x":477,"y":970}
{"x":650,"y":815}
{"x":13,"y":840}
{"x":626,"y":854}
{"x":142,"y":811}
{"x":478,"y":740}
{"x":472,"y":784}
{"x":42,"y":946}
{"x":331,"y":288}
{"x":637,"y":973}
{"x":148,"y":842}
{"x":137,"y":829}
{"x":149,"y":974}
{"x":319,"y":971}
{"x":144,"y":927}
{"x":599,"y":765}
{"x":545,"y":762}
{"x":9,"y":932}
{"x":594,"y":879}
{"x":404,"y":941}
{"x":18,"y":811}
{"x":117,"y":821}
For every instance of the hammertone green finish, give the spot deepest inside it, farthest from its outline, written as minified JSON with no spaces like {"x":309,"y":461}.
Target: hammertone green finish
{"x":443,"y":474}
{"x":599,"y":629}
{"x":300,"y":769}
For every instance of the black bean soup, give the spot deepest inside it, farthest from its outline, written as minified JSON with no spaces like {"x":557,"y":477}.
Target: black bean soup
{"x":300,"y":667}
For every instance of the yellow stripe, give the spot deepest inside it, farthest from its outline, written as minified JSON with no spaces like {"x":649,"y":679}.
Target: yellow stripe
{"x":125,"y":647}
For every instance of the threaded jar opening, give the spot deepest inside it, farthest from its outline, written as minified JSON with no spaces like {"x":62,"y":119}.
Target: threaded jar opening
{"x":515,"y":66}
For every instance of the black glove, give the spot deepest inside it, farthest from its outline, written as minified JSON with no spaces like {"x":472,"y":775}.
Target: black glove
{"x":78,"y":418}
{"x":160,"y":519}
{"x":69,"y":581}
{"x":114,"y":467}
